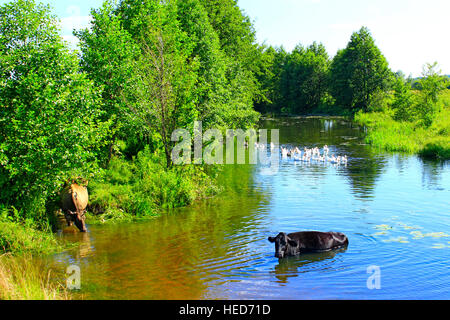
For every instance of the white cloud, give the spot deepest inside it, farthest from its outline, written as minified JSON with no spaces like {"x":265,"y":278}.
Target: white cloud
{"x":76,"y":21}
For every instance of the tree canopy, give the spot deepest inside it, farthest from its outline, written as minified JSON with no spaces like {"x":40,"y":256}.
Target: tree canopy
{"x":50,"y":120}
{"x":359,"y":72}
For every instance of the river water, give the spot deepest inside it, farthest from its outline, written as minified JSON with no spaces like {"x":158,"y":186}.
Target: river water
{"x":394,"y":208}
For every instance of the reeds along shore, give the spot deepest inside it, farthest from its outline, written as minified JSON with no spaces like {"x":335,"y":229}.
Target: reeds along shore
{"x":25,"y":278}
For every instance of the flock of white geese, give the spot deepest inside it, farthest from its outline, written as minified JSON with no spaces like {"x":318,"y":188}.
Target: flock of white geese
{"x":308,"y":155}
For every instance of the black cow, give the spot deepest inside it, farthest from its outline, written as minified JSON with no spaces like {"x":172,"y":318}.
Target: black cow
{"x":293,"y":244}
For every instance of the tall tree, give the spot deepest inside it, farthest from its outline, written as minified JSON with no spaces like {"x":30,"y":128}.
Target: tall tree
{"x":223,"y":100}
{"x":359,"y":72}
{"x":50,"y":114}
{"x":431,"y":84}
{"x":108,"y":56}
{"x":161,"y":95}
{"x":303,"y":78}
{"x":403,"y":102}
{"x":238,"y":41}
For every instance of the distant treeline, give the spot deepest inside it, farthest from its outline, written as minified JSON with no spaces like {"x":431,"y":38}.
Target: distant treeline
{"x":307,"y":80}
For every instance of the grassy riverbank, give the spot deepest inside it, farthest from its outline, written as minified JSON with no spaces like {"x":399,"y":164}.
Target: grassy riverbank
{"x":129,"y":190}
{"x":140,"y":188}
{"x":21,"y":276}
{"x":24,"y":278}
{"x":18,"y":238}
{"x":410,"y":136}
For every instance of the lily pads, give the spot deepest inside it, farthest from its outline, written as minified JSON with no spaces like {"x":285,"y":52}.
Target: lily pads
{"x":440,"y":246}
{"x":383,"y":227}
{"x":398,"y":239}
{"x":381,"y":233}
{"x":437,"y":235}
{"x":419,"y":235}
{"x":407,"y":227}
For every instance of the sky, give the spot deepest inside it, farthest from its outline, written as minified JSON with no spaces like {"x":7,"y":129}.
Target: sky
{"x":409,"y":33}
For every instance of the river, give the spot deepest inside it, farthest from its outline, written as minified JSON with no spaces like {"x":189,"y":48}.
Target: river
{"x":393,"y":207}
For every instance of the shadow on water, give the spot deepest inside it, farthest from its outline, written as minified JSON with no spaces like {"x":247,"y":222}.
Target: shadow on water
{"x":363,"y":174}
{"x":291,"y":267}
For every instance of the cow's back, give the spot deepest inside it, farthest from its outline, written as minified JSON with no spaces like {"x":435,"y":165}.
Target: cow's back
{"x":66,"y":200}
{"x":80,"y":196}
{"x":318,"y":241}
{"x":74,"y":197}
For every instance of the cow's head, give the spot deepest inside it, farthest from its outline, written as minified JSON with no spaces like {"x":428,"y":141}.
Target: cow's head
{"x":282,"y":244}
{"x":78,"y":219}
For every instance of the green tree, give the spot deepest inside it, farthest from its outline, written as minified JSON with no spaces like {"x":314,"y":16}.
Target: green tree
{"x":359,"y":72}
{"x":162,"y":95}
{"x":313,"y":77}
{"x":50,"y":120}
{"x":403,"y":103}
{"x":303,"y":83}
{"x":267,"y":79}
{"x":238,"y":41}
{"x":108,"y":56}
{"x":431,"y":85}
{"x":222,"y":96}
{"x":235,"y":30}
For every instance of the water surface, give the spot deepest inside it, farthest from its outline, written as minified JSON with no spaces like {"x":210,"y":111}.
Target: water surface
{"x":394,"y":208}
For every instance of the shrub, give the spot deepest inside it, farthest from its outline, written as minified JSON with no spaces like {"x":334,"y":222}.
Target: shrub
{"x":141,"y":187}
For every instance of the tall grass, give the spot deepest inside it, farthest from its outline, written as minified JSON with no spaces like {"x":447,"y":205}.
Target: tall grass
{"x":24,"y":278}
{"x":140,"y":188}
{"x":412,"y":137}
{"x":17,"y":237}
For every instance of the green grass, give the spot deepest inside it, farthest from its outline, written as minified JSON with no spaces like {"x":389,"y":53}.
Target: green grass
{"x":411,"y":137}
{"x":25,"y":278}
{"x":139,"y":188}
{"x":17,"y":237}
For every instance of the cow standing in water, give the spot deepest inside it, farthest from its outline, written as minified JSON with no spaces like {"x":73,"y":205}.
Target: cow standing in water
{"x":74,"y":200}
{"x":293,"y":244}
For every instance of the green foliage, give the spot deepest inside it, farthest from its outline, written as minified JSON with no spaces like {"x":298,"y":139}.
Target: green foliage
{"x":294,"y":83}
{"x":19,"y":237}
{"x":403,"y":103}
{"x":138,"y":45}
{"x":237,"y":40}
{"x":410,"y":136}
{"x":50,"y":122}
{"x":359,"y":72}
{"x":431,"y":85}
{"x":140,"y":188}
{"x":438,"y":148}
{"x":161,"y":96}
{"x":235,"y":30}
{"x":108,"y":54}
{"x":304,"y":78}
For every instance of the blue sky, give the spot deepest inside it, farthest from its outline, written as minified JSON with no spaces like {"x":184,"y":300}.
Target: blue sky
{"x":408,"y":32}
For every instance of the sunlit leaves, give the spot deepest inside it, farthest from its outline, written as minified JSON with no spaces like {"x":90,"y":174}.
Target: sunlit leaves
{"x":50,"y":128}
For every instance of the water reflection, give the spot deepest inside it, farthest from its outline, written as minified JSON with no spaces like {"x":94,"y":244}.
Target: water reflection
{"x":291,"y":267}
{"x":218,"y":248}
{"x":432,"y":173}
{"x":363,"y":174}
{"x":343,"y":137}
